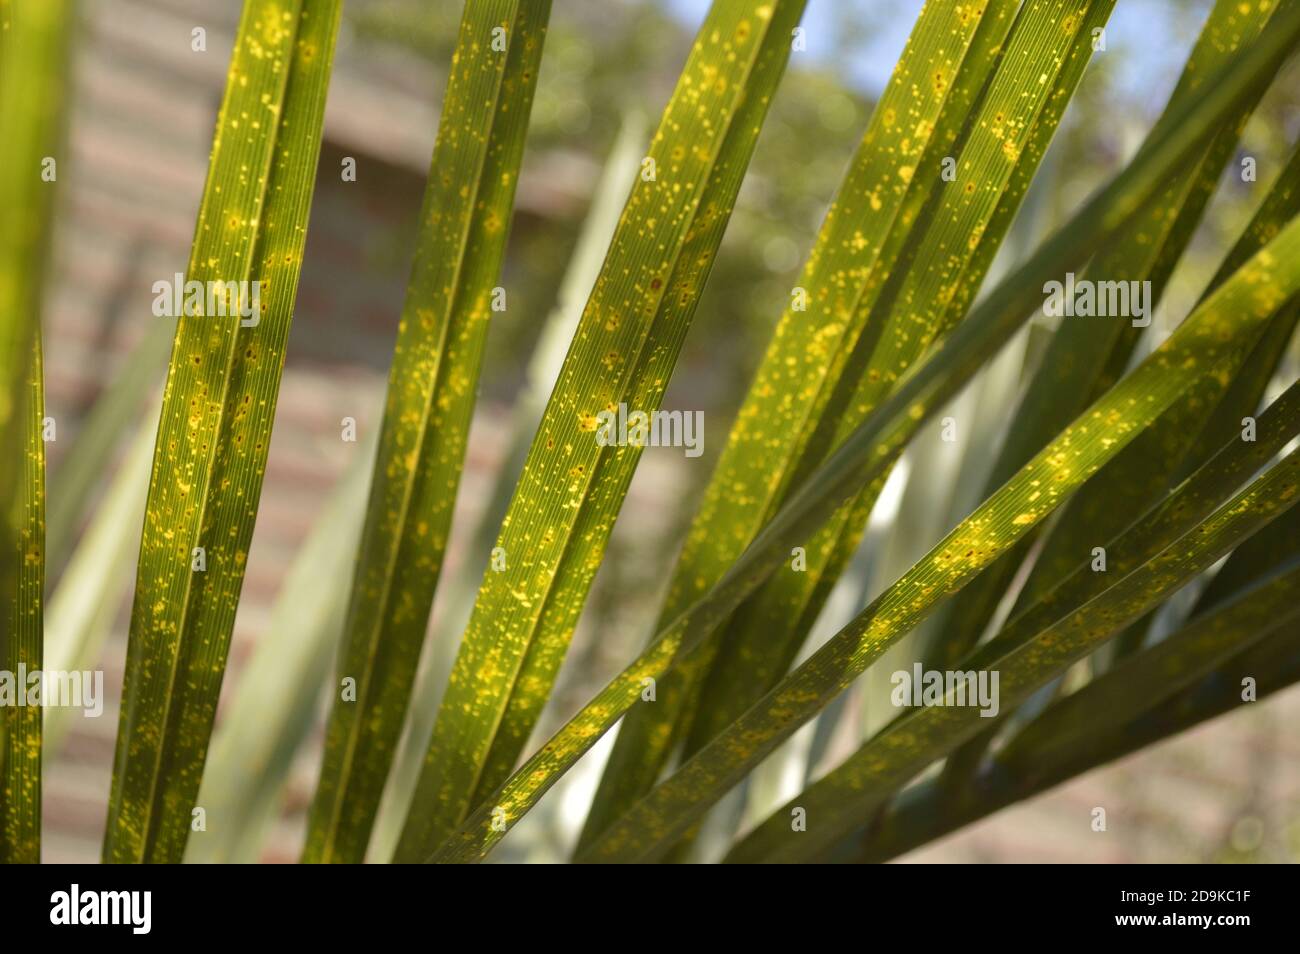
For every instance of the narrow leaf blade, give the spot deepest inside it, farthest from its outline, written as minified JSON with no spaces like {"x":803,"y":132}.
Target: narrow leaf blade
{"x":215,"y":425}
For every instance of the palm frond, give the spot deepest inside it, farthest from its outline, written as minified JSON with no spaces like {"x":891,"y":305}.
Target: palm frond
{"x":867,"y":452}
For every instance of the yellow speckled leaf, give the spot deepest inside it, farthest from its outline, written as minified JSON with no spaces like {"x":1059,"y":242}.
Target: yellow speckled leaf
{"x":215,"y":424}
{"x":1161,"y":672}
{"x":864,"y":454}
{"x":1074,"y":370}
{"x":458,"y":593}
{"x":22,"y":613}
{"x":33,"y":54}
{"x":627,"y":342}
{"x":1175,"y":516}
{"x":1275,"y":546}
{"x":275,"y":703}
{"x":1145,"y":469}
{"x":844,"y":797}
{"x":927,"y":295}
{"x":1225,"y":325}
{"x":432,"y":387}
{"x":916,"y":123}
{"x":1130,"y":482}
{"x":1167,"y":521}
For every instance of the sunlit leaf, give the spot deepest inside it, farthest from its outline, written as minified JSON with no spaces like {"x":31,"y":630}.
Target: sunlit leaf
{"x":1076,"y":367}
{"x":839,"y":800}
{"x":215,"y":425}
{"x":432,"y":387}
{"x":598,"y":227}
{"x":912,"y":130}
{"x":942,"y":267}
{"x":1222,"y":327}
{"x":863,"y":455}
{"x":626,"y":344}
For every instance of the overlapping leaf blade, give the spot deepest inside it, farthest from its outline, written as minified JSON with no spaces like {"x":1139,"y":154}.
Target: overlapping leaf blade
{"x":1136,"y":477}
{"x":919,"y":117}
{"x":215,"y":425}
{"x":598,"y":226}
{"x":1214,"y":333}
{"x":1173,"y":518}
{"x":1144,"y":680}
{"x":846,"y":795}
{"x":864,"y":455}
{"x":869,"y":390}
{"x":1143,"y":472}
{"x":1262,"y":554}
{"x":926,"y":297}
{"x":924,"y":811}
{"x":623,"y":353}
{"x":431,"y":395}
{"x":1074,"y":370}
